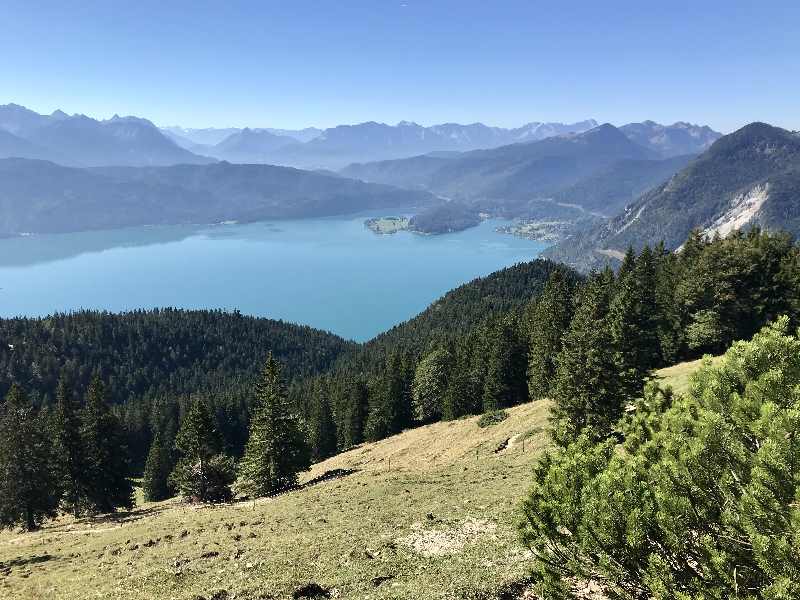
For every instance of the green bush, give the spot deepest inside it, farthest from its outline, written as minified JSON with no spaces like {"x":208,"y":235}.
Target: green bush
{"x":211,"y":483}
{"x":699,"y":501}
{"x":492,"y":418}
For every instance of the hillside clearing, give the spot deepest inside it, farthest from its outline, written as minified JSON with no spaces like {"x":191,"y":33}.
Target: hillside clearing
{"x":429,"y":513}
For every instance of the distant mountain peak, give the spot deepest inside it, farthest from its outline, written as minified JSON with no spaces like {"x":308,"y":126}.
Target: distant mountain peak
{"x":680,"y":138}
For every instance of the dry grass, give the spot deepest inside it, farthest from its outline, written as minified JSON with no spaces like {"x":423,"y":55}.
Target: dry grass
{"x":421,"y":510}
{"x":679,"y":376}
{"x":429,"y":513}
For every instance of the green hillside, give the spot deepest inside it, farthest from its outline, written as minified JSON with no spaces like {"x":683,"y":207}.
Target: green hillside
{"x":432,"y":510}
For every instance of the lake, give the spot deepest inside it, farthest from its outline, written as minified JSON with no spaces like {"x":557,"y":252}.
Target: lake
{"x":330,"y":273}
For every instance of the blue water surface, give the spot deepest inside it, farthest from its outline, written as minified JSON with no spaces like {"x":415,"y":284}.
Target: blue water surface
{"x":330,"y":273}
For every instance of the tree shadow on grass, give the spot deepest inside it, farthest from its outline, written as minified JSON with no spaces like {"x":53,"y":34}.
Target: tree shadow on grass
{"x":25,"y":561}
{"x":123,"y":516}
{"x":326,"y":476}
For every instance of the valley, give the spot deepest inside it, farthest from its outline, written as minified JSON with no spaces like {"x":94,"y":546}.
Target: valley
{"x":399,"y":301}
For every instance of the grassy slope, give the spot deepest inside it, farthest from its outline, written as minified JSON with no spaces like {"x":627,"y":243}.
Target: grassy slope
{"x":422,"y":508}
{"x":679,"y":376}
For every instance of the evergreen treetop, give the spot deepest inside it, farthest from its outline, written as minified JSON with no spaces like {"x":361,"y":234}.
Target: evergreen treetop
{"x":277,"y":448}
{"x":108,"y":485}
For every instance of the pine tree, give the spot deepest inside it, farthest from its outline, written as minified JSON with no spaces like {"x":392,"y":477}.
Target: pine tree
{"x":634,"y":320}
{"x":29,"y":486}
{"x":713,"y":474}
{"x":586,"y":389}
{"x":276,"y":449}
{"x":505,"y":383}
{"x":69,"y":450}
{"x":550,"y":319}
{"x":155,"y":480}
{"x":108,"y":485}
{"x":322,"y":427}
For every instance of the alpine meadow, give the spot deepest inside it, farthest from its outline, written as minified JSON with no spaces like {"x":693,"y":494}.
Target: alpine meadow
{"x":264,"y":337}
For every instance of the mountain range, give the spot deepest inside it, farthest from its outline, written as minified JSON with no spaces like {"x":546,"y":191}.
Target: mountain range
{"x":42,"y":197}
{"x":598,"y":171}
{"x":211,"y":136}
{"x":79,"y":140}
{"x":750,"y":177}
{"x":339,"y":146}
{"x":671,"y":140}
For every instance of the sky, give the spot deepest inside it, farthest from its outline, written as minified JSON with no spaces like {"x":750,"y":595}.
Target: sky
{"x":300,"y":63}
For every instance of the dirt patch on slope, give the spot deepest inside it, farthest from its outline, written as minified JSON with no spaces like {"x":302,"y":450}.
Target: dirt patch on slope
{"x":441,"y":542}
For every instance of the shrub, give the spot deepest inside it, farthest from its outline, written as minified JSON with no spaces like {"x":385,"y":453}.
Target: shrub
{"x":701,"y":499}
{"x":212,"y":483}
{"x":492,"y":418}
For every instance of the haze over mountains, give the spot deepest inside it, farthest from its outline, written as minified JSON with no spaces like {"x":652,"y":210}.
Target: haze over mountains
{"x":339,"y":146}
{"x":597,"y":171}
{"x":618,"y":186}
{"x":79,"y":140}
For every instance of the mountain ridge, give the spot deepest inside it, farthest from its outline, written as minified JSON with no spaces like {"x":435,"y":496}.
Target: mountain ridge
{"x":43,"y":197}
{"x":79,"y":140}
{"x":749,"y":177}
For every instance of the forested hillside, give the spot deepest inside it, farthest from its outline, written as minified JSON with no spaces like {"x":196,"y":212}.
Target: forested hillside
{"x":188,"y":380}
{"x":43,"y":197}
{"x":481,"y":349}
{"x":152,"y":361}
{"x":151,"y":353}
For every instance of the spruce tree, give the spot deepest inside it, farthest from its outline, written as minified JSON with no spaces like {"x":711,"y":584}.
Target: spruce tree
{"x":586,"y":389}
{"x":550,"y":319}
{"x":155,"y":480}
{"x":356,"y":408}
{"x":458,"y":378}
{"x":108,"y":485}
{"x":29,"y":485}
{"x":276,"y":449}
{"x":69,"y":449}
{"x":390,"y":412}
{"x":634,"y":320}
{"x":670,"y":327}
{"x":202,"y":473}
{"x":403,"y":373}
{"x":628,"y":262}
{"x":505,"y":383}
{"x":322,"y":427}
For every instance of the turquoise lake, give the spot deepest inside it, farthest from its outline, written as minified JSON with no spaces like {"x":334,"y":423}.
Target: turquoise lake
{"x":331,"y":273}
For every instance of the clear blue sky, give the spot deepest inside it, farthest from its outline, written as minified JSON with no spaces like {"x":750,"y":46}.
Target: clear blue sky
{"x":299,"y":63}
